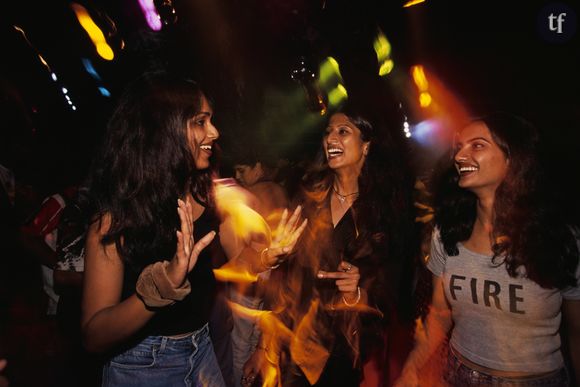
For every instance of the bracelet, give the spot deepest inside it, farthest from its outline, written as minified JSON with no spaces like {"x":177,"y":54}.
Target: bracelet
{"x":265,"y":251}
{"x":357,"y":298}
{"x":155,"y":288}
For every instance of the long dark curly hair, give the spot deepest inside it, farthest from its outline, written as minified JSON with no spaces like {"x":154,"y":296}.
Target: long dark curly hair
{"x":383,"y":211}
{"x":145,"y":164}
{"x":527,"y":229}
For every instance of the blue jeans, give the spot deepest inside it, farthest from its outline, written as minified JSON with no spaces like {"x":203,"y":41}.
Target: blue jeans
{"x":165,"y":361}
{"x":460,"y":374}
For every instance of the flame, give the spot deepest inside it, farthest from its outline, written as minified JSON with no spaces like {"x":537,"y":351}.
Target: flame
{"x":234,"y":273}
{"x":233,"y":202}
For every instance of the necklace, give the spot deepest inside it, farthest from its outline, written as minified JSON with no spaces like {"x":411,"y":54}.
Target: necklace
{"x":342,"y":198}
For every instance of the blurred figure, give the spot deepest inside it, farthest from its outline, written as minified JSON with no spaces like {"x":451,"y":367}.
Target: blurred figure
{"x":81,"y":367}
{"x":505,"y":266}
{"x":254,"y":173}
{"x":40,"y":237}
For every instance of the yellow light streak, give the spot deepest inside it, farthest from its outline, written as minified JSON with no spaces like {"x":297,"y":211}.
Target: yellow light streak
{"x":94,"y":32}
{"x":412,"y":3}
{"x":419,"y":77}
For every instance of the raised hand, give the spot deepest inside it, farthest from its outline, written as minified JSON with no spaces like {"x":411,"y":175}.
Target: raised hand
{"x":187,"y":250}
{"x":285,"y":238}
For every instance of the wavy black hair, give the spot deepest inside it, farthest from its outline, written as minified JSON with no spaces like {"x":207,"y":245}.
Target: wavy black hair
{"x":527,"y":229}
{"x":383,"y":211}
{"x":145,"y":164}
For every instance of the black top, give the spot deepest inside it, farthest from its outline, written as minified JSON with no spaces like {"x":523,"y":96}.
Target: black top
{"x":337,"y":329}
{"x":193,"y":311}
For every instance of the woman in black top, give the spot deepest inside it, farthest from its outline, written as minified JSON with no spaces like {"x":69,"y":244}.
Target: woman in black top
{"x":149,"y":285}
{"x":350,"y":276}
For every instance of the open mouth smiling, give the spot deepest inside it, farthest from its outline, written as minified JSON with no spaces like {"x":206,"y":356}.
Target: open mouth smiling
{"x":466,"y":169}
{"x":334,"y":152}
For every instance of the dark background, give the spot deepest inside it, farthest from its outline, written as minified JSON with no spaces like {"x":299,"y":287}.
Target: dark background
{"x":488,"y":55}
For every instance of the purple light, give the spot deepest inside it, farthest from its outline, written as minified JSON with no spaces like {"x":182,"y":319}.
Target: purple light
{"x":151,"y":15}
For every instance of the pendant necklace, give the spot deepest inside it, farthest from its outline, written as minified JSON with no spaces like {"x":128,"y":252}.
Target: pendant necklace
{"x":342,"y":198}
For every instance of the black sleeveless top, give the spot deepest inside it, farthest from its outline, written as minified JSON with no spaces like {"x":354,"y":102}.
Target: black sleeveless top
{"x":193,"y":312}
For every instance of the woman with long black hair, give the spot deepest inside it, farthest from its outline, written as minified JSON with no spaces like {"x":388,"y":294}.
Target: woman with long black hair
{"x":148,"y":281}
{"x":504,"y":264}
{"x":350,"y":277}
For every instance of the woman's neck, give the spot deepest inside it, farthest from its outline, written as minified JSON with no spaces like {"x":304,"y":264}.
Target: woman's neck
{"x":485,"y":210}
{"x":345,"y":183}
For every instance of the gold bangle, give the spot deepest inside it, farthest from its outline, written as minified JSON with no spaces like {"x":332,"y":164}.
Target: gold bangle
{"x":357,"y":298}
{"x":265,"y":251}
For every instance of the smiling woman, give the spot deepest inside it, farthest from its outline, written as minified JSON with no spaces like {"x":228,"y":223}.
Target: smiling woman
{"x":147,"y":297}
{"x":505,"y":266}
{"x":349,"y":283}
{"x":201,"y":135}
{"x":479,"y":160}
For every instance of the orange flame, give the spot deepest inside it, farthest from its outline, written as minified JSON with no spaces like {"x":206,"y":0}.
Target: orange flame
{"x":234,"y":273}
{"x":233,"y":202}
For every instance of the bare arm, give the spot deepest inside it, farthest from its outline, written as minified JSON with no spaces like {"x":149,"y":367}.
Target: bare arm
{"x":571,"y":315}
{"x":106,"y":321}
{"x":428,"y":339}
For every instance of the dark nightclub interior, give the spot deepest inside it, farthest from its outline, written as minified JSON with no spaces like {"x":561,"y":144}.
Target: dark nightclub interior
{"x":273,"y":69}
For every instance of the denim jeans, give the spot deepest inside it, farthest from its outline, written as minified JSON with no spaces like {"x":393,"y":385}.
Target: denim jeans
{"x":459,"y":374}
{"x":166,"y":361}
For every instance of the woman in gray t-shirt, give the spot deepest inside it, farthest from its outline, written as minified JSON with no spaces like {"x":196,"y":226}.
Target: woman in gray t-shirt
{"x":504,"y":264}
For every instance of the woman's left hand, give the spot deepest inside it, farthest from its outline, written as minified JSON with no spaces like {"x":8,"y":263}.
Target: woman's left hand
{"x":347,"y":279}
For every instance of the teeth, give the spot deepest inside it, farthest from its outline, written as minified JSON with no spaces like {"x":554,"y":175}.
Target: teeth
{"x":467,"y":169}
{"x":205,"y":147}
{"x":334,"y":151}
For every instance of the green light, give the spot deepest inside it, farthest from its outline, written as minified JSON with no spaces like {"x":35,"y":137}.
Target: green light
{"x":329,"y":71}
{"x":337,"y":95}
{"x":382,"y":47}
{"x":386,"y":67}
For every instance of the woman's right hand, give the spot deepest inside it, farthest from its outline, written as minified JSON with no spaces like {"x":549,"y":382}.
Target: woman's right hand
{"x":187,"y":250}
{"x":285,"y":238}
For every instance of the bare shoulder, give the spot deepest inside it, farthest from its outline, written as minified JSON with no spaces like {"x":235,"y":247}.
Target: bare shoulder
{"x":270,"y":192}
{"x":94,"y":243}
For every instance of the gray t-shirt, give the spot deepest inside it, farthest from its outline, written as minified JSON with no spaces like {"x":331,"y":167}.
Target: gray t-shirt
{"x":500,"y":322}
